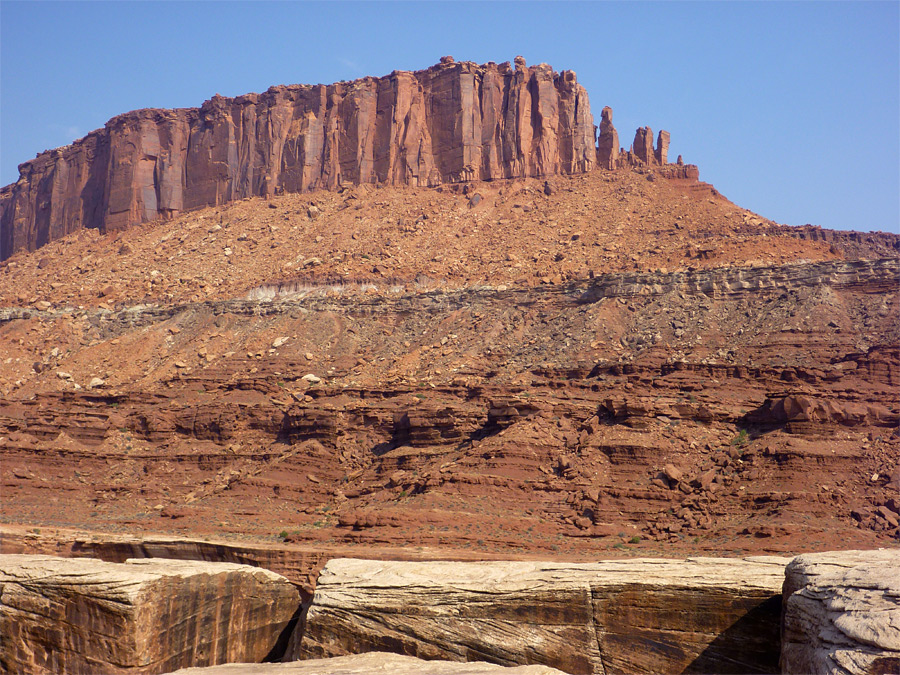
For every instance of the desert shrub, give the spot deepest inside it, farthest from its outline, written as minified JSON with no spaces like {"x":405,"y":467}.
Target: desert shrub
{"x":741,"y":439}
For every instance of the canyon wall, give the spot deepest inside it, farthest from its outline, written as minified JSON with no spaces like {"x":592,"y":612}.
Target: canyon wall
{"x":794,"y":383}
{"x":449,"y":123}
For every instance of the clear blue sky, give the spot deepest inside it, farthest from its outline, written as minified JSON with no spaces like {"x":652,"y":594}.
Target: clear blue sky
{"x":789,"y":109}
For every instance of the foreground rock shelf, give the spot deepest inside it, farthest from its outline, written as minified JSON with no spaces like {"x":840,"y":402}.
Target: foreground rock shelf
{"x":842,"y":613}
{"x":637,"y":616}
{"x":64,"y":615}
{"x":835,"y":612}
{"x":364,"y":664}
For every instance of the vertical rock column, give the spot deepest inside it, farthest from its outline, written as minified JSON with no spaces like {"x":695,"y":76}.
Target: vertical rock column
{"x":608,"y":142}
{"x":643,"y":144}
{"x":577,"y":152}
{"x":662,"y":148}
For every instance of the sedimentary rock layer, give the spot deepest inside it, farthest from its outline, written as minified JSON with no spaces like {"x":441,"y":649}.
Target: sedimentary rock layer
{"x":62,"y":615}
{"x":842,"y":613}
{"x":372,"y":662}
{"x":452,"y":122}
{"x":794,"y":383}
{"x":638,"y":616}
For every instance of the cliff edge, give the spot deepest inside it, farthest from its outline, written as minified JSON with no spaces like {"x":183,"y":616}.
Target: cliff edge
{"x":449,"y":123}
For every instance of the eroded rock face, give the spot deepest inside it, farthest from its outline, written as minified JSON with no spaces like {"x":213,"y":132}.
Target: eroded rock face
{"x":571,"y":462}
{"x":662,"y":148}
{"x":608,"y":141}
{"x":842,"y":613}
{"x":64,"y":615}
{"x":643,"y":145}
{"x":637,"y":616}
{"x":450,"y":123}
{"x":372,"y":662}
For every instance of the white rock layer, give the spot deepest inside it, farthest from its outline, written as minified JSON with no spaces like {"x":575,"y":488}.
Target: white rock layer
{"x":365,"y":664}
{"x":637,"y":616}
{"x":842,"y":613}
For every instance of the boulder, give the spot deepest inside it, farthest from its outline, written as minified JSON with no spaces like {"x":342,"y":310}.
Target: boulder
{"x":364,"y":664}
{"x":842,"y":613}
{"x":803,"y":410}
{"x":82,"y":615}
{"x":635,"y":616}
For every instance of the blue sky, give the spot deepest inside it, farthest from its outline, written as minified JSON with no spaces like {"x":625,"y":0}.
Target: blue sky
{"x":790,"y":109}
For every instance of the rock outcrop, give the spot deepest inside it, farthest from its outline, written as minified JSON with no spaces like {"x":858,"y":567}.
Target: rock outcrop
{"x":637,"y":616}
{"x":607,"y":141}
{"x":365,"y":664}
{"x":642,"y":153}
{"x":662,"y":148}
{"x":61,"y":615}
{"x":452,"y":122}
{"x":842,"y":613}
{"x":798,"y":411}
{"x":642,"y":146}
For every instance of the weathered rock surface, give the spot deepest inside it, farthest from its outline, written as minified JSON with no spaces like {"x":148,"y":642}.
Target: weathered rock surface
{"x":642,"y":146}
{"x":607,"y":141}
{"x":553,"y":443}
{"x":61,"y":615}
{"x":503,"y":402}
{"x":842,"y":613}
{"x":449,"y":123}
{"x":642,"y":155}
{"x":637,"y":616}
{"x":372,"y":662}
{"x":662,"y":148}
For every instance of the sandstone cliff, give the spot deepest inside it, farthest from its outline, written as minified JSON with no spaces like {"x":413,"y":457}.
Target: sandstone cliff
{"x":711,"y":615}
{"x":449,"y":123}
{"x":61,"y":615}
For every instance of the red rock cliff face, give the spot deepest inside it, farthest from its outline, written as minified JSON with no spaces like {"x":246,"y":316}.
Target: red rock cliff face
{"x":452,"y":122}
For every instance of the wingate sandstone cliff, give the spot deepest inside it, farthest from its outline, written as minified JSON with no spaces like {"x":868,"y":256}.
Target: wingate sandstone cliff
{"x":449,"y":123}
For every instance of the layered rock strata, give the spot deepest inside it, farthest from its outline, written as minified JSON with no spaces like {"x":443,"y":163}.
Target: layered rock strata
{"x":60,"y":615}
{"x":372,"y":662}
{"x":758,"y":385}
{"x":636,"y":616}
{"x":449,"y":123}
{"x":842,"y":613}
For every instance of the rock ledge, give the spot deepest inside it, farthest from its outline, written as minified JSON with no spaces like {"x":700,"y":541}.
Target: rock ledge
{"x":81,"y":615}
